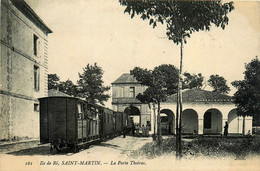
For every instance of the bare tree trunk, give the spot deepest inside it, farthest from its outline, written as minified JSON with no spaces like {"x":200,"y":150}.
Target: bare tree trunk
{"x":154,"y":125}
{"x":180,"y":102}
{"x":159,"y":125}
{"x":177,"y":123}
{"x":243,"y":128}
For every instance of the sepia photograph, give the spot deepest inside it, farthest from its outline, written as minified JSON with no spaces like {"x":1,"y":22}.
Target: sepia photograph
{"x":129,"y":85}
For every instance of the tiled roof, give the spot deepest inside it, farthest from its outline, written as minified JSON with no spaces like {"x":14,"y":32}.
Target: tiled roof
{"x":197,"y":95}
{"x":125,"y":78}
{"x":53,"y":92}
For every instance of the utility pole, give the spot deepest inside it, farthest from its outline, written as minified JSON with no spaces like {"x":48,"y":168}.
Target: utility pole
{"x":154,"y":120}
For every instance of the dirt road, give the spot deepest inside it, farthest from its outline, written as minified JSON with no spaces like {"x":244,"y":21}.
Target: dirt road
{"x":112,"y":154}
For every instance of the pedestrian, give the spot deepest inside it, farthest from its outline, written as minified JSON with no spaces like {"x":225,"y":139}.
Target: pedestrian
{"x":143,"y":130}
{"x":169,"y":129}
{"x":226,"y":129}
{"x":147,"y":130}
{"x":124,"y":131}
{"x":137,"y":130}
{"x":133,"y":130}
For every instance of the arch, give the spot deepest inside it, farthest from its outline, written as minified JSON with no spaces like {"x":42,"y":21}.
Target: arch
{"x":167,"y":121}
{"x":134,"y":113}
{"x":233,"y":122}
{"x":189,"y":121}
{"x":212,"y":121}
{"x":132,"y":110}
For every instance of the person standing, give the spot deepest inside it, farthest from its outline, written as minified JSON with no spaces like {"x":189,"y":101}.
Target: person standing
{"x":124,"y":131}
{"x":226,"y":129}
{"x":147,"y":130}
{"x":133,"y":130}
{"x":143,"y":130}
{"x":137,"y":130}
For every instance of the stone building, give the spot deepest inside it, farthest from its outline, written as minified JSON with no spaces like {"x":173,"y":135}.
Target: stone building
{"x":23,"y":69}
{"x":124,"y":92}
{"x":204,"y":112}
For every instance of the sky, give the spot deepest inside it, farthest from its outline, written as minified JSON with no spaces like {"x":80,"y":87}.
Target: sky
{"x":89,"y":31}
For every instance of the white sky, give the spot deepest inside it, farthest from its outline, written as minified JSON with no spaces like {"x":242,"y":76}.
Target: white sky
{"x":88,"y":31}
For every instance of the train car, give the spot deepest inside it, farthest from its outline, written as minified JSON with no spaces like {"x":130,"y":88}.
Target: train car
{"x":68,"y":122}
{"x":120,"y":122}
{"x":107,"y":123}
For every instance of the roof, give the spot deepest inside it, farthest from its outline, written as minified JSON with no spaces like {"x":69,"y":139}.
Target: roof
{"x":22,"y":6}
{"x":56,"y":93}
{"x":125,"y":78}
{"x":197,"y":95}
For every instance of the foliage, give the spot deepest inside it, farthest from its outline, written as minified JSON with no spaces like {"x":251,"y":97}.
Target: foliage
{"x":215,"y":147}
{"x":160,"y":82}
{"x":182,"y":18}
{"x":53,"y":81}
{"x":192,"y":81}
{"x":152,"y":150}
{"x":68,"y":87}
{"x":219,"y":84}
{"x":248,"y":90}
{"x":90,"y":85}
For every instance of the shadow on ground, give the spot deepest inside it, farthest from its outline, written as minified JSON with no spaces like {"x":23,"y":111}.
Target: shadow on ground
{"x":109,"y":145}
{"x":44,"y":151}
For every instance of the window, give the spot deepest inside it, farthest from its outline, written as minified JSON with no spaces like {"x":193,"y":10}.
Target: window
{"x":36,"y":107}
{"x":35,"y":45}
{"x":132,"y":91}
{"x":121,"y":92}
{"x":36,"y":78}
{"x":207,"y":120}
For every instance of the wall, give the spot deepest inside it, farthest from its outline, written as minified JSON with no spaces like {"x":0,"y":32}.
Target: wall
{"x":121,"y":99}
{"x":222,"y":108}
{"x":17,"y":94}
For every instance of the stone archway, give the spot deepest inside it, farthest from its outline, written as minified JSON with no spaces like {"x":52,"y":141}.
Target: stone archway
{"x":212,"y":122}
{"x":189,"y":121}
{"x":134,"y":113}
{"x":233,"y":122}
{"x":167,"y":121}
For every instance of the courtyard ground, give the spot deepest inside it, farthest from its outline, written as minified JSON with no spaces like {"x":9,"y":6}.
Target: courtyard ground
{"x":115,"y":154}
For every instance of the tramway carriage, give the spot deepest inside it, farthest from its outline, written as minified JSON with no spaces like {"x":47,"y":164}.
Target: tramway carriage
{"x":107,"y":123}
{"x":120,"y":122}
{"x":68,"y":122}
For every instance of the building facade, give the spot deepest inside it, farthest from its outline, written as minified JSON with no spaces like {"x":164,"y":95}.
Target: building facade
{"x":23,"y":69}
{"x":124,"y":92}
{"x":204,"y":112}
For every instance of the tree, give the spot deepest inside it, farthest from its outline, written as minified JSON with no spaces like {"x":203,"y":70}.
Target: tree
{"x":248,"y":91}
{"x":219,"y":84}
{"x":161,"y":82}
{"x":182,"y":18}
{"x":192,"y":81}
{"x":68,"y":87}
{"x":90,"y":85}
{"x":53,"y":81}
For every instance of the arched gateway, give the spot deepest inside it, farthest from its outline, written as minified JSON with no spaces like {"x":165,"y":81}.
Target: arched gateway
{"x":167,"y":121}
{"x":212,"y":122}
{"x":134,"y":113}
{"x":189,"y":121}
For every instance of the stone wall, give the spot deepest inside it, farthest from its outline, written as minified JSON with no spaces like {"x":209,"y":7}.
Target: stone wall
{"x":17,"y":93}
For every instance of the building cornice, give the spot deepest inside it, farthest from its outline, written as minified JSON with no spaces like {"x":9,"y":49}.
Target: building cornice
{"x":22,"y":6}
